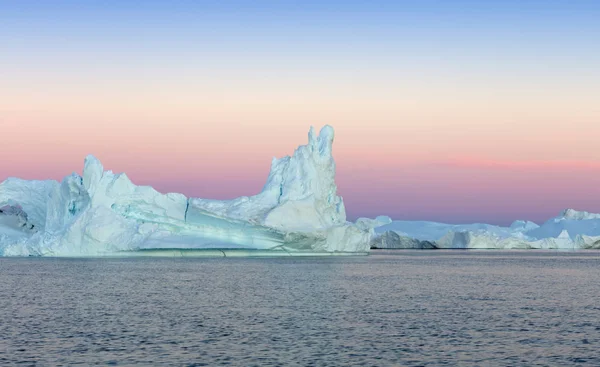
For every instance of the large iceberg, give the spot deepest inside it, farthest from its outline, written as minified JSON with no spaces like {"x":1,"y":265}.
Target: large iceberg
{"x":102,"y":213}
{"x":571,"y":229}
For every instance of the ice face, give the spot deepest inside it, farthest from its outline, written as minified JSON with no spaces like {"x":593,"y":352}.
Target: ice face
{"x":300,"y":193}
{"x":101,"y":213}
{"x":31,"y":196}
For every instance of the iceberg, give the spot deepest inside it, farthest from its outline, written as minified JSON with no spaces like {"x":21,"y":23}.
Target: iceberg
{"x":570,"y":230}
{"x":101,"y":213}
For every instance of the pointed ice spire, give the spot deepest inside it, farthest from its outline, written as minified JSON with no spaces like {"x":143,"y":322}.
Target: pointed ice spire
{"x":325,"y":140}
{"x":92,"y":172}
{"x":312,"y":139}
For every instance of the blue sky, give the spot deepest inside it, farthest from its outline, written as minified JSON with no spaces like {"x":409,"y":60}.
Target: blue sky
{"x":406,"y":84}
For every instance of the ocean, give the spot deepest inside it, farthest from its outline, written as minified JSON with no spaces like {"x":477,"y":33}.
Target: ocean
{"x":391,"y":308}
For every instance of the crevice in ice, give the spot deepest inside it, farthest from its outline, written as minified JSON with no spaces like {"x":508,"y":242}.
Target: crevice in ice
{"x":280,"y":193}
{"x":187,"y":207}
{"x":72,"y":208}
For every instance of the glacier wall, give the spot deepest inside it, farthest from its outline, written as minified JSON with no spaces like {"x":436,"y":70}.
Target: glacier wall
{"x":103,"y":213}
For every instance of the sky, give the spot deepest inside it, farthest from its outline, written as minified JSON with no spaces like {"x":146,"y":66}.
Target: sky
{"x":454,"y":111}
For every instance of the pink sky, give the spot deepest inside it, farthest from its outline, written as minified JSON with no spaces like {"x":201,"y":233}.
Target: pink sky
{"x":426,"y":171}
{"x":439,"y":114}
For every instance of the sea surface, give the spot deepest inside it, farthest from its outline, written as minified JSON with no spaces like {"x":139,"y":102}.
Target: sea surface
{"x":402,"y":308}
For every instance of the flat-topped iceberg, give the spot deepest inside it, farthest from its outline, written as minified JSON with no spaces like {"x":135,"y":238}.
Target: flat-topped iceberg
{"x":102,"y":213}
{"x":571,"y":229}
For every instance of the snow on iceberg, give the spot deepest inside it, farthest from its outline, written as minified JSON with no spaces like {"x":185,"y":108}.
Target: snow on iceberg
{"x":570,"y":230}
{"x":102,"y":213}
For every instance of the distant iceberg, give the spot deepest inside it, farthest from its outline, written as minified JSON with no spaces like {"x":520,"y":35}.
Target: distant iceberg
{"x":570,"y":230}
{"x":104,"y":214}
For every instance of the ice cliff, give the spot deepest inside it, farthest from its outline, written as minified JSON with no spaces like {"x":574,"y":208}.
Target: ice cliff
{"x":102,"y":213}
{"x":571,"y":229}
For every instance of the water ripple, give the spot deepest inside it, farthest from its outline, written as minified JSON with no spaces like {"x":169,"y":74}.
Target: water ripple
{"x":400,"y":308}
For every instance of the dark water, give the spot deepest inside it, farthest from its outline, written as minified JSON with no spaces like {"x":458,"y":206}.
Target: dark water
{"x":391,"y":308}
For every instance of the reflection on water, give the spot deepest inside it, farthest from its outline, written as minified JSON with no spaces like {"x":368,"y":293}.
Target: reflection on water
{"x":404,"y":308}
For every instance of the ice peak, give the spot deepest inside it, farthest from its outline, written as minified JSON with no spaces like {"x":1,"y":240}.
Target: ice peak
{"x":573,"y":214}
{"x":92,"y":171}
{"x":325,"y":140}
{"x":91,"y":161}
{"x":312,"y":138}
{"x":523,"y":225}
{"x":328,"y":132}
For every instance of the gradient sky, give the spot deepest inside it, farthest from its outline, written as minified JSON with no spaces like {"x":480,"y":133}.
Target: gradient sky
{"x":455,"y":111}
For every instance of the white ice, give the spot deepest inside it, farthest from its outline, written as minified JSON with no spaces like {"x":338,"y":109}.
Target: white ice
{"x":571,"y":229}
{"x":102,"y":213}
